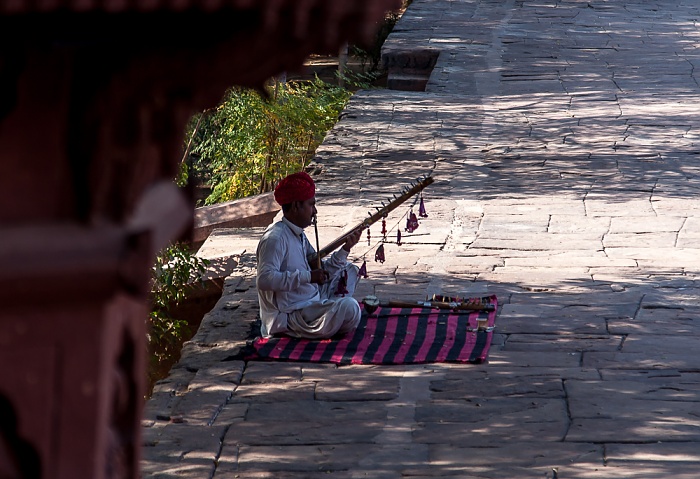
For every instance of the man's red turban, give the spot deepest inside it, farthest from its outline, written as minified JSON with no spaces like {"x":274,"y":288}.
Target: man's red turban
{"x":295,"y":187}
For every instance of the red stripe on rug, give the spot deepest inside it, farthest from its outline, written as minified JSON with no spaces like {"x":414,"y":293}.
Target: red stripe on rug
{"x":340,"y":350}
{"x":470,"y":341}
{"x":473,"y":320}
{"x":320,"y":349}
{"x":296,"y":353}
{"x":452,"y":321}
{"x":281,"y":344}
{"x":431,"y":326}
{"x":359,"y":355}
{"x":410,"y":328}
{"x":392,"y":323}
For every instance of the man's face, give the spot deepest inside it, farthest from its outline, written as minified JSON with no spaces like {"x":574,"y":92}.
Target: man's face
{"x":303,"y":212}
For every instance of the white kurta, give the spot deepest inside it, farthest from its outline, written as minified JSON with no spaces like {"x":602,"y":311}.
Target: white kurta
{"x":289,"y":302}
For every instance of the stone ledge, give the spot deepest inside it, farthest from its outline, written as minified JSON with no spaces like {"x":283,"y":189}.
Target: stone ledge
{"x":253,"y":211}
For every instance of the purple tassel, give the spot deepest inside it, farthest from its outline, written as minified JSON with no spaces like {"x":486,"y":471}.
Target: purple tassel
{"x":421,"y":209}
{"x":379,"y":254}
{"x":363,"y":270}
{"x":383,"y":227}
{"x":369,"y":237}
{"x":398,"y":237}
{"x":411,"y":222}
{"x":342,"y":284}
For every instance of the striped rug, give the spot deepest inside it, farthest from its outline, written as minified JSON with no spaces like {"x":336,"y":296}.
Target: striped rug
{"x":393,"y":336}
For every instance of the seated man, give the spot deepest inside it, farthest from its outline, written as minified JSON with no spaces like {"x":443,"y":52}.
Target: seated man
{"x":295,"y":299}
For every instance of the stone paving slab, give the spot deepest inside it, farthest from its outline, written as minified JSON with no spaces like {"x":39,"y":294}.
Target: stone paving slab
{"x":181,"y":450}
{"x":568,"y":343}
{"x":656,"y":360}
{"x":564,"y":138}
{"x":520,"y":455}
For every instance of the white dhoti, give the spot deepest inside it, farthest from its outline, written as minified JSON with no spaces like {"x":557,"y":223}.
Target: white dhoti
{"x":333,"y":315}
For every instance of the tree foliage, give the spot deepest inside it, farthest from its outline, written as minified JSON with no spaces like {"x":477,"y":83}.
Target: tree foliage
{"x":251,"y":140}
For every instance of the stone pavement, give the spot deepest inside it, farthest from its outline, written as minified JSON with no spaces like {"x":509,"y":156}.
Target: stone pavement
{"x":563,"y":137}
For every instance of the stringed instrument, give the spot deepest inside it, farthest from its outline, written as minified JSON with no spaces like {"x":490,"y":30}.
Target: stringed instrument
{"x":372,"y":218}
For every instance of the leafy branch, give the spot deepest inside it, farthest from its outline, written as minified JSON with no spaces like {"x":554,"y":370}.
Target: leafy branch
{"x":175,"y":271}
{"x":251,"y":140}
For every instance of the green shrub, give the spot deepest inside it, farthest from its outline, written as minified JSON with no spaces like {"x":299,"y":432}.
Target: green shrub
{"x":251,"y":140}
{"x":175,"y":271}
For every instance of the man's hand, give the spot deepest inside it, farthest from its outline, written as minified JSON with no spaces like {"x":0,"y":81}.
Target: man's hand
{"x":320,"y":276}
{"x":352,"y":240}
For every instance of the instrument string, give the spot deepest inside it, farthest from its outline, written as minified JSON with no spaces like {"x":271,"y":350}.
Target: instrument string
{"x":318,"y":259}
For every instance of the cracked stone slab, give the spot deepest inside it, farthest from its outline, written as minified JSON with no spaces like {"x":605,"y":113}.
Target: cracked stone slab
{"x":490,"y":386}
{"x":552,"y":319}
{"x":283,"y":475}
{"x":566,"y":343}
{"x":505,"y":409}
{"x":323,"y":412}
{"x":200,"y":406}
{"x":651,"y":375}
{"x":623,"y":360}
{"x":687,"y":453}
{"x":362,"y":459}
{"x":265,"y":372}
{"x":543,"y":241}
{"x":653,"y":423}
{"x":270,"y":432}
{"x":598,"y":205}
{"x":532,"y":454}
{"x":535,"y":359}
{"x":198,"y":355}
{"x":491,"y":372}
{"x":522,"y":224}
{"x":272,"y":392}
{"x":599,"y":399}
{"x":644,"y":224}
{"x":166,"y":394}
{"x":325,"y":459}
{"x":641,"y":240}
{"x":685,"y":257}
{"x":583,"y":261}
{"x":358,"y":390}
{"x":180,"y":450}
{"x":663,"y":326}
{"x":490,"y":431}
{"x":573,"y":280}
{"x":658,"y":344}
{"x":231,"y":413}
